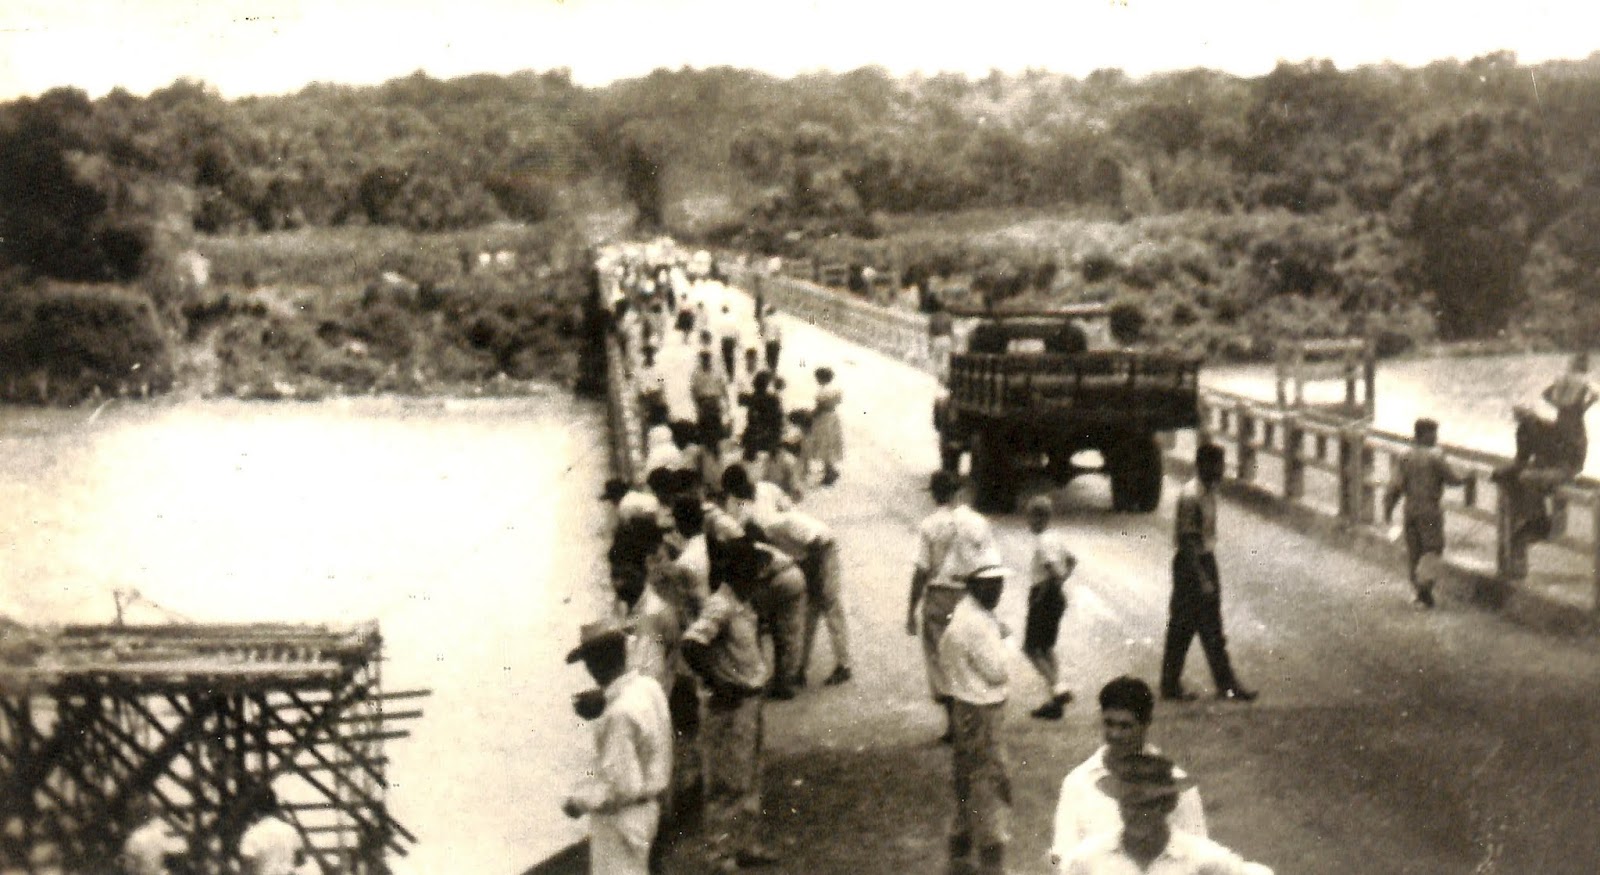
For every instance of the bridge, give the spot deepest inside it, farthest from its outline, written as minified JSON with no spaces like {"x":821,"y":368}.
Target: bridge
{"x":1385,"y":740}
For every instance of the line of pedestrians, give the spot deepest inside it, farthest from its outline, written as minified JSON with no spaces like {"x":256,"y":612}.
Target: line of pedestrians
{"x":722,"y":585}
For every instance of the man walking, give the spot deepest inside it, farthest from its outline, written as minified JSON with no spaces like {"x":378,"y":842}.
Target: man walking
{"x":972,"y":653}
{"x":1420,"y":477}
{"x":1127,"y":706}
{"x":1147,"y":789}
{"x":1053,"y":563}
{"x":1196,"y":604}
{"x":952,"y":542}
{"x":723,"y":647}
{"x":633,"y":756}
{"x":709,"y":389}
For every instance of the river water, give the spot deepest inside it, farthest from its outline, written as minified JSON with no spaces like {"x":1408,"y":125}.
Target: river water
{"x":468,"y":529}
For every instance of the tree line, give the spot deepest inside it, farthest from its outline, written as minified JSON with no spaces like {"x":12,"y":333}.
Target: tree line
{"x":1476,"y":174}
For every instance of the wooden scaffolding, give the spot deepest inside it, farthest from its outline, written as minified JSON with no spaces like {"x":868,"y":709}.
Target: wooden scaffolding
{"x":193,"y":723}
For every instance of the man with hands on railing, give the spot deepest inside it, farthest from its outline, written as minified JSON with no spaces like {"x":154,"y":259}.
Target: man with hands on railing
{"x":1420,"y":477}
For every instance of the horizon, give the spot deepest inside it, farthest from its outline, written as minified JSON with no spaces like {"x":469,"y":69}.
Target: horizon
{"x":240,"y":48}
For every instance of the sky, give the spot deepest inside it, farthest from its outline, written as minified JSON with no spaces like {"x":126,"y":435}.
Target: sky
{"x":244,"y":47}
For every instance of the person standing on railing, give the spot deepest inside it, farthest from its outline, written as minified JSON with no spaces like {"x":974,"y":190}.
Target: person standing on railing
{"x":1420,"y":477}
{"x":1572,"y":396}
{"x":1196,"y":604}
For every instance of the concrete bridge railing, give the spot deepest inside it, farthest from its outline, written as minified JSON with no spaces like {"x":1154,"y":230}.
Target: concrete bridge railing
{"x":1293,"y":457}
{"x":623,"y":416}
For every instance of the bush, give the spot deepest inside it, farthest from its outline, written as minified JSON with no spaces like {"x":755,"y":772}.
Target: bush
{"x":76,"y":339}
{"x":1127,"y":320}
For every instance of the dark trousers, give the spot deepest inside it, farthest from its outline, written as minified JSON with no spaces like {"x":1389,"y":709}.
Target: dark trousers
{"x":773,"y":348}
{"x":730,"y":356}
{"x":1192,"y":612}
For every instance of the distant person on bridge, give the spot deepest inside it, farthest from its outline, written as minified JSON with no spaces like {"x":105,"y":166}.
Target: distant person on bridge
{"x":771,"y":337}
{"x":633,"y":756}
{"x":1196,"y":604}
{"x":726,"y":326}
{"x":709,"y":389}
{"x":723,"y":647}
{"x":1053,"y":563}
{"x":1127,"y":707}
{"x":1147,"y":789}
{"x":827,"y":432}
{"x":973,"y":655}
{"x":763,"y":419}
{"x":1572,"y":396}
{"x":952,"y":542}
{"x":1419,"y":477}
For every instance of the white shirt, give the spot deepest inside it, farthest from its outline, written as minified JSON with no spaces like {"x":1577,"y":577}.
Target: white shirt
{"x":972,"y":653}
{"x":1051,"y":558}
{"x":633,"y":746}
{"x":1184,"y":855}
{"x":795,"y":532}
{"x":1083,"y":810}
{"x":952,"y":543}
{"x":770,"y":503}
{"x":637,"y":503}
{"x":270,"y":845}
{"x":652,"y":633}
{"x":652,"y":378}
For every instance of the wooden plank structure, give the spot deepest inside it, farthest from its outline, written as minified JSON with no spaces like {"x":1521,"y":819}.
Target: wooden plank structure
{"x":1349,"y":359}
{"x":198,"y":720}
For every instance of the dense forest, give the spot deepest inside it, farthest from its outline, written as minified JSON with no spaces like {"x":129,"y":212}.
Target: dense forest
{"x":1456,"y":200}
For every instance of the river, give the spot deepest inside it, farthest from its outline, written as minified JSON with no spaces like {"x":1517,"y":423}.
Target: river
{"x":468,"y":529}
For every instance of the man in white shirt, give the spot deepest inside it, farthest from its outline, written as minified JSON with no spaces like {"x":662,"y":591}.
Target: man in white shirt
{"x":633,"y":757}
{"x":973,"y":655}
{"x":651,"y":379}
{"x":1147,"y":789}
{"x":952,"y":542}
{"x":1127,"y":706}
{"x":812,"y":544}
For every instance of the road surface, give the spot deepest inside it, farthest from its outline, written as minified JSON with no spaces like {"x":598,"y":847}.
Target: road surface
{"x":1385,"y":740}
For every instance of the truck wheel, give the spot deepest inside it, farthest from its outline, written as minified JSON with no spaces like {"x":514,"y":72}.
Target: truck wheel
{"x":949,"y":458}
{"x":993,"y":481}
{"x":1144,"y":486}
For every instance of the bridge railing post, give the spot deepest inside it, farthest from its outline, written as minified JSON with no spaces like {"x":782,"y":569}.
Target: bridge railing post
{"x":1294,"y":461}
{"x":1247,"y":447}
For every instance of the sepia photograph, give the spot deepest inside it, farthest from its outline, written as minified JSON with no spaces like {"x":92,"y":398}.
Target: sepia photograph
{"x":672,"y":437}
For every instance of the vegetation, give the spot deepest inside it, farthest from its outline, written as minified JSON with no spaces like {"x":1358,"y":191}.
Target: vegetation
{"x":1417,"y":202}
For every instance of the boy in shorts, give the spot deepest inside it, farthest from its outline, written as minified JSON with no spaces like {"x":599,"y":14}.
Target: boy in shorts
{"x":1053,"y":563}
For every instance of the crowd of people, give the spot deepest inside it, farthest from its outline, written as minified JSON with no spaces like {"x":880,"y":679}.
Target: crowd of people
{"x":722,"y":583}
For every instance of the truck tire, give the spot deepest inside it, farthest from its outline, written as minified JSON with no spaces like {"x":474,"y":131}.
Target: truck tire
{"x":994,"y":487}
{"x":1135,"y":469}
{"x":949,"y":458}
{"x":1145,"y":477}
